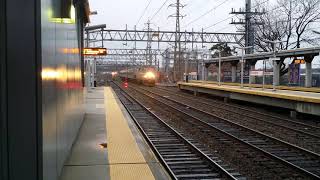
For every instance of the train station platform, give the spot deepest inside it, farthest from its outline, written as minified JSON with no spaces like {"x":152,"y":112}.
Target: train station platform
{"x":109,"y":146}
{"x":291,"y":88}
{"x":299,"y":101}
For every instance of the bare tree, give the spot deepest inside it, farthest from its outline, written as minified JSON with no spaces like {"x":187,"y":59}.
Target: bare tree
{"x":289,"y":21}
{"x":309,"y":13}
{"x":273,"y":28}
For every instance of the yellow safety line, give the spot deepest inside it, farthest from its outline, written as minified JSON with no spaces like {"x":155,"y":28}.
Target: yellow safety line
{"x":303,"y":89}
{"x":254,"y":92}
{"x":125,"y":159}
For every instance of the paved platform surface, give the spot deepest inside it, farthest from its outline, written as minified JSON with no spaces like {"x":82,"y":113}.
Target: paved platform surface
{"x":167,"y":84}
{"x":127,"y":156}
{"x":259,"y":86}
{"x":310,"y":97}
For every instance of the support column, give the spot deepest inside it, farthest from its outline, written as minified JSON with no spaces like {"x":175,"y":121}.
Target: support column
{"x":206,"y":71}
{"x":252,"y":79}
{"x":234,"y":74}
{"x":308,"y":79}
{"x":276,"y":73}
{"x":234,"y":65}
{"x":204,"y":76}
{"x":217,"y":71}
{"x":203,"y":72}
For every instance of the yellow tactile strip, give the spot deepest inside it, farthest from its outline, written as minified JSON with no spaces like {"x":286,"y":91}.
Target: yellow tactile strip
{"x":125,"y":159}
{"x":253,"y":92}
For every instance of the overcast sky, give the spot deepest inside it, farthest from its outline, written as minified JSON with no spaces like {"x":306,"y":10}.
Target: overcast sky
{"x":117,"y":13}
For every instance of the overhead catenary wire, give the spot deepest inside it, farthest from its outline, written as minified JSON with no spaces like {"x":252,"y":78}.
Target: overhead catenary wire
{"x":210,"y":26}
{"x":144,"y":11}
{"x":157,"y":12}
{"x":235,"y":15}
{"x":206,"y":13}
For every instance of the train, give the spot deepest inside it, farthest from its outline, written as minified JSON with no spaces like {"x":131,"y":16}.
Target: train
{"x":144,"y":75}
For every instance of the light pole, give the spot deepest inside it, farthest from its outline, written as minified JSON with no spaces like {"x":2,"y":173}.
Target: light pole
{"x":264,"y":76}
{"x":203,"y":55}
{"x":242,"y":61}
{"x":203,"y":69}
{"x":219,"y":74}
{"x":186,"y":66}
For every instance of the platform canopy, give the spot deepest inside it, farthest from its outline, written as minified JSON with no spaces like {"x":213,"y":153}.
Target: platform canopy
{"x":302,"y":52}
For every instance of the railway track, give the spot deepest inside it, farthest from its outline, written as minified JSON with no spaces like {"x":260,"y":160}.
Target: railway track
{"x":312,"y":125}
{"x":180,"y":157}
{"x":304,"y":135}
{"x":273,"y":153}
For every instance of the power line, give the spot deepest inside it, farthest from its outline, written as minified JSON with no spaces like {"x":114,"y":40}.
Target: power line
{"x":206,"y":13}
{"x":144,"y":11}
{"x":159,"y":9}
{"x":222,"y":29}
{"x":233,"y":16}
{"x":218,"y":22}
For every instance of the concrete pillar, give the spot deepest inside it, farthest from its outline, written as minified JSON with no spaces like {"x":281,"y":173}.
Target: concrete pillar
{"x":276,"y":72}
{"x":203,"y":72}
{"x":217,"y":71}
{"x":308,"y":79}
{"x":234,"y":65}
{"x":252,"y":79}
{"x":233,"y":73}
{"x":206,"y":71}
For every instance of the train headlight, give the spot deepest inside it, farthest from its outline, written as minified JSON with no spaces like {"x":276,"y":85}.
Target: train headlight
{"x":149,"y":75}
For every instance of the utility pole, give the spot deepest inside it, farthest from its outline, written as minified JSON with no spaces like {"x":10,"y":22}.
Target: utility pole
{"x":177,"y":47}
{"x":219,"y":71}
{"x":149,"y":54}
{"x":248,"y":23}
{"x":167,"y":62}
{"x":249,"y":28}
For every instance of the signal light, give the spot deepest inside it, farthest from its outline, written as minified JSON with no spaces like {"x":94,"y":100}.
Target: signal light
{"x":299,"y":61}
{"x":126,"y":84}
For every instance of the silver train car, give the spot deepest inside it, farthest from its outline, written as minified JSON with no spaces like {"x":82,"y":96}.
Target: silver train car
{"x":144,"y":75}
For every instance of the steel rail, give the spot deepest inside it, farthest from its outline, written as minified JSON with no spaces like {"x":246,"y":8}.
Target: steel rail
{"x":241,"y":108}
{"x":285,"y":162}
{"x":223,"y":171}
{"x":250,"y":116}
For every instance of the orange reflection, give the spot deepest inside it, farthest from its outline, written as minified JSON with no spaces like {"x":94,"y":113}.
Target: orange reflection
{"x":70,"y":50}
{"x":50,"y":74}
{"x":65,"y":78}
